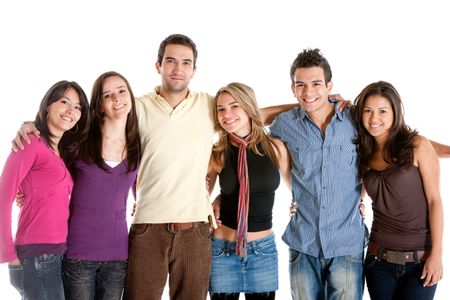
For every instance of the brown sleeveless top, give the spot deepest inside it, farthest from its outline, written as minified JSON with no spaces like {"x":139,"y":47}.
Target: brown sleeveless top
{"x":400,"y":209}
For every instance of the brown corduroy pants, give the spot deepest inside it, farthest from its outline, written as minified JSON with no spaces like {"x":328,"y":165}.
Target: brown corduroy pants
{"x":157,"y":251}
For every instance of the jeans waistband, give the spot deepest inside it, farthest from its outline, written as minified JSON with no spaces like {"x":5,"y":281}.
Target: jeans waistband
{"x":231,"y":246}
{"x":398,"y":257}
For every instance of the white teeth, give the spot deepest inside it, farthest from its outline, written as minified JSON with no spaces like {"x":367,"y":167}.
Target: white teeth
{"x":310,"y":100}
{"x":119,"y":107}
{"x":66,"y":119}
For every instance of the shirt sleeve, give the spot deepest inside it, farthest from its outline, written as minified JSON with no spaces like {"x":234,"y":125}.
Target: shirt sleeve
{"x":275,"y":128}
{"x":16,"y":168}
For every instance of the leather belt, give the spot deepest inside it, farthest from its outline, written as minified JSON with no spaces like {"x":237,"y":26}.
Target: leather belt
{"x":177,"y":227}
{"x":398,"y":257}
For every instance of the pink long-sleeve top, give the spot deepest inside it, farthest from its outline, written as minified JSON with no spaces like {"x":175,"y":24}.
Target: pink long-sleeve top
{"x":46,"y":183}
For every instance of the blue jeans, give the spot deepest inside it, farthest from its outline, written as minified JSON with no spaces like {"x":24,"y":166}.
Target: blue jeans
{"x":39,"y":278}
{"x":392,"y":281}
{"x":16,"y":278}
{"x":255,"y":273}
{"x":89,"y":280}
{"x":314,"y":278}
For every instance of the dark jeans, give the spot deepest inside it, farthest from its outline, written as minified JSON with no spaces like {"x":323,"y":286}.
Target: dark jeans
{"x":89,"y":280}
{"x":39,"y":277}
{"x":392,"y":281}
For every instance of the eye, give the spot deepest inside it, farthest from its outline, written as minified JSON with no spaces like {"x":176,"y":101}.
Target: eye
{"x":234,"y":106}
{"x":366,"y":110}
{"x":78,"y":107}
{"x":383,"y":111}
{"x":299,"y":85}
{"x":122,"y":91}
{"x":106,"y":96}
{"x":220,"y":109}
{"x":317,"y":84}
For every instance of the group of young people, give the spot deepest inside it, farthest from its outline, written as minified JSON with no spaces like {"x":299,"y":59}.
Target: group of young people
{"x":95,"y":153}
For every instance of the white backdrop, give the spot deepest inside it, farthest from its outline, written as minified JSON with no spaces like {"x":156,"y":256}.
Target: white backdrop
{"x":253,"y":42}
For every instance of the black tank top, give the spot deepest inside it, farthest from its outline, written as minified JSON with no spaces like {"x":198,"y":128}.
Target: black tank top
{"x":264,"y":180}
{"x":400,"y":209}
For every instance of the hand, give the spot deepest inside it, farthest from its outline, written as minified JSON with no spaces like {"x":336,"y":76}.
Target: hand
{"x":15,"y":262}
{"x":362,"y":209}
{"x":292,"y":208}
{"x":341,"y":102}
{"x":216,"y":209}
{"x":432,"y":270}
{"x":22,"y":133}
{"x":133,"y":210}
{"x":20,"y":200}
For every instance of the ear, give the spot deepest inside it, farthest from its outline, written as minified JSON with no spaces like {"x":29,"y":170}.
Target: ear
{"x":330,"y":86}
{"x":293,"y":90}
{"x":158,"y":67}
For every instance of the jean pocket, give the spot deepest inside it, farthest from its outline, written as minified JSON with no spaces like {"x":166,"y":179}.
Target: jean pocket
{"x":293,"y":255}
{"x":370,"y":261}
{"x":268,"y":248}
{"x":47,"y":262}
{"x":204,"y":231}
{"x":139,"y":229}
{"x":16,"y":277}
{"x":217,"y":248}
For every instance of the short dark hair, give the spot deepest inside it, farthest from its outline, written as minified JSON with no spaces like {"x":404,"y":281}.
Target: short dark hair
{"x":309,"y":58}
{"x":177,"y":39}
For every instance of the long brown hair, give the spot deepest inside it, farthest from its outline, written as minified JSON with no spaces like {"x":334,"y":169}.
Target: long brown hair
{"x":399,"y":145}
{"x":69,"y":143}
{"x":245,"y":97}
{"x":92,"y":149}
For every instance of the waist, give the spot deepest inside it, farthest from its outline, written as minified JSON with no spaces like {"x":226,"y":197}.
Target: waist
{"x":229,"y":234}
{"x":177,"y":227}
{"x":398,"y":257}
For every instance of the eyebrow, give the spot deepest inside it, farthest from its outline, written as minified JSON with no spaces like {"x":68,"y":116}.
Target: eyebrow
{"x":183,"y":59}
{"x":314,"y":81}
{"x":119,"y":87}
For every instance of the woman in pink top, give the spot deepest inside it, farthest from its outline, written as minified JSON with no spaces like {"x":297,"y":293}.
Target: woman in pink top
{"x":40,"y":172}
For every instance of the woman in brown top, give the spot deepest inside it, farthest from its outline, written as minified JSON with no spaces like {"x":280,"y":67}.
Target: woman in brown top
{"x":400,"y":172}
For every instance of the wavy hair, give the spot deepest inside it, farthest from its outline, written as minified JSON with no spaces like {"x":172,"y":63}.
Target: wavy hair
{"x":399,"y":145}
{"x":245,"y":97}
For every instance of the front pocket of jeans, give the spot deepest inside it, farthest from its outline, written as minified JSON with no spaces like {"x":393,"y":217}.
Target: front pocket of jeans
{"x":217,"y":249}
{"x":267,"y":249}
{"x":370,"y":261}
{"x":47,"y":262}
{"x":139,"y":229}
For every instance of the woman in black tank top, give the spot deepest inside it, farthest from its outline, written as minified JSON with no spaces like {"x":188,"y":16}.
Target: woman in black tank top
{"x":400,"y":172}
{"x":244,"y":255}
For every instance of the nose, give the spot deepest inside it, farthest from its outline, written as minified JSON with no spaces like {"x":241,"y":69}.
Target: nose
{"x":115,"y":97}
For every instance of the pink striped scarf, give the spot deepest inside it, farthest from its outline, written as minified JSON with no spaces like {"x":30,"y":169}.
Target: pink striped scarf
{"x":244,"y":192}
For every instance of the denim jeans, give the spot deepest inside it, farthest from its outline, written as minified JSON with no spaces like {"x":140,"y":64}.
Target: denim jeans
{"x":41,"y":277}
{"x":16,"y":278}
{"x":89,"y":280}
{"x":255,"y":273}
{"x":314,"y":278}
{"x":392,"y":281}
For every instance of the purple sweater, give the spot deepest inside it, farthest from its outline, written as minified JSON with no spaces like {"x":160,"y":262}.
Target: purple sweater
{"x":97,"y":226}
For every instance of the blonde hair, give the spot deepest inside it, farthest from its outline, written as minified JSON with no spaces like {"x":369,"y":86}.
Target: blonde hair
{"x":245,"y":97}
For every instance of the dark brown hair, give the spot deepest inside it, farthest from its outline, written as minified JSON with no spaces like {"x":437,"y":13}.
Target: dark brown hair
{"x":92,"y":149}
{"x":399,"y":146}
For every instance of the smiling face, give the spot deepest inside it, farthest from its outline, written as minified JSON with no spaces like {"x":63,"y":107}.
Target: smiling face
{"x":231,"y":116}
{"x":116,"y":98}
{"x":177,"y":68}
{"x":378,"y":117}
{"x":64,"y":113}
{"x":310,"y":89}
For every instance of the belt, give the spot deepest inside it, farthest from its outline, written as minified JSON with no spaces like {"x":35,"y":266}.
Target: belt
{"x":176,"y":227}
{"x":398,"y":257}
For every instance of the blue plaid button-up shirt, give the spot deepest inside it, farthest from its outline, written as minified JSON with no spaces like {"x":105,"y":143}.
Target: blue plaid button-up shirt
{"x":325,"y":185}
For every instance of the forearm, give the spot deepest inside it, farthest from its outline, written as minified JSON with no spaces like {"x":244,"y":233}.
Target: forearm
{"x":443,"y":151}
{"x":436,"y":226}
{"x":269,"y":113}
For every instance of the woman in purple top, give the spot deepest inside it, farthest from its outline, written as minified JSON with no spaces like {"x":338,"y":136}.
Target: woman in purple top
{"x":400,"y":172}
{"x":94,"y":266}
{"x":40,"y":171}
